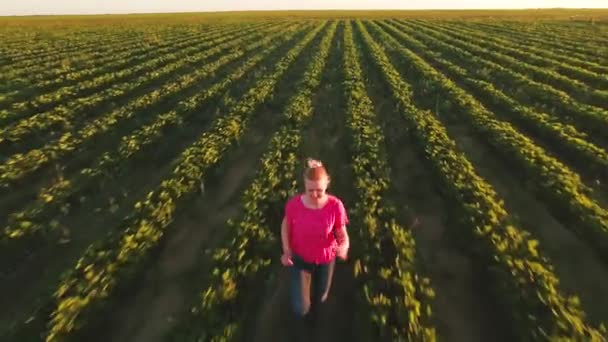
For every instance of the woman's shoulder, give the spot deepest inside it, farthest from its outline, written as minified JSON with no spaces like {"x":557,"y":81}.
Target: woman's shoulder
{"x":335,"y":200}
{"x":294,"y":199}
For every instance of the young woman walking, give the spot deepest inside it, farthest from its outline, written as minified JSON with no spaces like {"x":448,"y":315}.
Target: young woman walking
{"x":313,"y":234}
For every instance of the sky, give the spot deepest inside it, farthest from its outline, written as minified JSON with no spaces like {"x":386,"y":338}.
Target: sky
{"x":29,"y":7}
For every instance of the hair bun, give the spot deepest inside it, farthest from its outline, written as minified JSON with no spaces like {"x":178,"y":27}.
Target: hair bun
{"x":315,"y":170}
{"x":313,"y":163}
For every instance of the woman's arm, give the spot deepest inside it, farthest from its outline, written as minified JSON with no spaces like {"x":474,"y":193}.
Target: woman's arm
{"x":285,"y":236}
{"x":286,"y":257}
{"x":343,"y":241}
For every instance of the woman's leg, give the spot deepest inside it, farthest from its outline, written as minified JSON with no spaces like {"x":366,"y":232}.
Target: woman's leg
{"x":300,"y":291}
{"x":324,"y":274}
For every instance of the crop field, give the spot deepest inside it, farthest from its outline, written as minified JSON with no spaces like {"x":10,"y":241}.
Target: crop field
{"x":145,"y":163}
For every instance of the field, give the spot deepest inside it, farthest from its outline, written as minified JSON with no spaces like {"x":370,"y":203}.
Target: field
{"x":145,"y":162}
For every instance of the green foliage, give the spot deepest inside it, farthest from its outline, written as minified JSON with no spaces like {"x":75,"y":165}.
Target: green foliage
{"x":559,"y":184}
{"x":575,"y":144}
{"x":99,"y":271}
{"x":246,"y":256}
{"x":398,"y":297}
{"x":32,"y":221}
{"x":122,"y":61}
{"x":587,"y":118}
{"x":523,"y":278}
{"x":554,"y":90}
{"x":20,"y":165}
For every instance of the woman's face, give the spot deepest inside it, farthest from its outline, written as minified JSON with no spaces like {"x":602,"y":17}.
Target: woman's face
{"x":316,"y":189}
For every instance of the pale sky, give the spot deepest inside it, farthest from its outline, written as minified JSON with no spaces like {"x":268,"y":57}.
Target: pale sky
{"x":27,"y":7}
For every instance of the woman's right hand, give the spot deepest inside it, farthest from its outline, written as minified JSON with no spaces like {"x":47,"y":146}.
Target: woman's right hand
{"x":286,"y":259}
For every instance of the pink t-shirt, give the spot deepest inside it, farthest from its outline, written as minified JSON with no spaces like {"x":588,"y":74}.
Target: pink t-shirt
{"x":311,"y":231}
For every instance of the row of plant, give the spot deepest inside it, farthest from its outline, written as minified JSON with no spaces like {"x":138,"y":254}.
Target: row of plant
{"x":40,"y":70}
{"x":563,"y":44}
{"x":52,"y":87}
{"x":532,"y":55}
{"x":46,"y":47}
{"x":538,"y":54}
{"x":549,"y":38}
{"x":73,"y":70}
{"x":398,"y":296}
{"x":557,"y":51}
{"x":88,"y":95}
{"x":585,"y":33}
{"x":248,"y":253}
{"x":522,"y":280}
{"x":37,"y":222}
{"x":18,"y":166}
{"x":63,"y":62}
{"x":562,"y":188}
{"x":63,"y":47}
{"x":568,"y":141}
{"x":104,"y":265}
{"x":587,"y":119}
{"x":16,"y":49}
{"x":495,"y":52}
{"x":33,"y":42}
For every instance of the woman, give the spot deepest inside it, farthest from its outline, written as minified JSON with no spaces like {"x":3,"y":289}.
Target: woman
{"x":313,"y":233}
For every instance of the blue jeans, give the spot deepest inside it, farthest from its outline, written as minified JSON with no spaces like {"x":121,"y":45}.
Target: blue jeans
{"x":302,"y":275}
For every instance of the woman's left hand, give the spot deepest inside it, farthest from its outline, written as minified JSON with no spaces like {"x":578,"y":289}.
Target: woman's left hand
{"x":342,"y":252}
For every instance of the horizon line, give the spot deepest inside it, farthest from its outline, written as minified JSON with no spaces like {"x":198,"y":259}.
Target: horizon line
{"x":304,"y":10}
